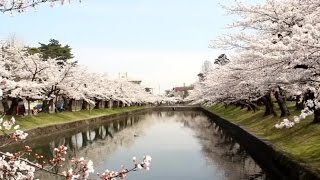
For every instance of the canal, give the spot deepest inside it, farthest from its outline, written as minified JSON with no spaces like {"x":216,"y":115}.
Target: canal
{"x":183,"y":144}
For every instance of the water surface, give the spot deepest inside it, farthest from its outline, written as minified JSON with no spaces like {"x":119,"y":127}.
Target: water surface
{"x":183,"y":145}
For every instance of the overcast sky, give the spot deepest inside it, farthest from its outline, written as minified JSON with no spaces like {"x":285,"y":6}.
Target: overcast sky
{"x":161,"y":42}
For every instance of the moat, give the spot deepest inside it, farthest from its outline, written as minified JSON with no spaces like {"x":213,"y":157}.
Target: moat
{"x":183,"y":145}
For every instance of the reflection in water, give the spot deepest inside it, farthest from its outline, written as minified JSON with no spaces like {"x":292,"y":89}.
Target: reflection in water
{"x":76,"y":141}
{"x":184,"y":145}
{"x":219,"y":148}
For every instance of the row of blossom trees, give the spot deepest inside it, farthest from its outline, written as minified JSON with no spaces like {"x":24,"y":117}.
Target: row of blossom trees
{"x":277,"y":49}
{"x":30,"y":77}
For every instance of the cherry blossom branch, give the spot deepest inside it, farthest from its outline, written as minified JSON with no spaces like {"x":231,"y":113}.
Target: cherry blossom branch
{"x":21,"y":5}
{"x":107,"y":175}
{"x":39,"y":167}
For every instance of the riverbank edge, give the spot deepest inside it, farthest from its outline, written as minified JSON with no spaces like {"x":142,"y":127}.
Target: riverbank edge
{"x":68,"y":126}
{"x":274,"y":162}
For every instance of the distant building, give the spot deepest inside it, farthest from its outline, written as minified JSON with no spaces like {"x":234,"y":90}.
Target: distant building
{"x":125,"y":77}
{"x":181,"y":92}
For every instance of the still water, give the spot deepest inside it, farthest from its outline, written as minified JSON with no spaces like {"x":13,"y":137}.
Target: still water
{"x":184,"y":145}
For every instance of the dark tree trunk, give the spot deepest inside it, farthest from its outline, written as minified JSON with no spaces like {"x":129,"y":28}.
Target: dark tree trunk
{"x":5,"y":105}
{"x":56,"y":104}
{"x":259,"y":102}
{"x":241,"y":105}
{"x":281,"y":100}
{"x":98,"y":104}
{"x":267,"y":101}
{"x":316,"y":116}
{"x":115,"y":103}
{"x":65,"y":103}
{"x":70,"y":104}
{"x":29,"y":108}
{"x":249,"y":108}
{"x":13,"y":108}
{"x":46,"y":105}
{"x":85,"y":105}
{"x":253,"y":106}
{"x":51,"y":103}
{"x":299,"y":104}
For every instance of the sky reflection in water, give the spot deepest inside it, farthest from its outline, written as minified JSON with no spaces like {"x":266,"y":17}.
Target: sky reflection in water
{"x":183,"y":145}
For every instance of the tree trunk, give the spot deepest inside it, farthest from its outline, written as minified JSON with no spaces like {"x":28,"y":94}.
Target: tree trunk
{"x":253,"y":106}
{"x":299,"y":104}
{"x":56,"y":104}
{"x":5,"y":105}
{"x":29,"y":109}
{"x":281,"y":100}
{"x":70,"y":104}
{"x":51,"y":103}
{"x":267,"y":101}
{"x":97,"y":105}
{"x":13,"y":108}
{"x":316,"y":116}
{"x":46,"y":105}
{"x":249,"y":108}
{"x":259,"y":102}
{"x":241,"y":105}
{"x":115,"y":103}
{"x":85,"y":105}
{"x":65,"y":103}
{"x":107,"y":104}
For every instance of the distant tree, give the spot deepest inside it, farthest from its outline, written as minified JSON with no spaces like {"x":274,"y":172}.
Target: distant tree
{"x":222,"y":60}
{"x":201,"y":76}
{"x":206,"y":67}
{"x":33,"y":50}
{"x":55,"y":50}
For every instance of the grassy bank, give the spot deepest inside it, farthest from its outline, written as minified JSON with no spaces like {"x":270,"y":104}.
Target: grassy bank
{"x":45,"y":119}
{"x":301,"y":143}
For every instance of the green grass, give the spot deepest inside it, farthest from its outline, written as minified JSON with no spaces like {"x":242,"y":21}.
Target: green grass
{"x":301,"y":143}
{"x":45,"y":119}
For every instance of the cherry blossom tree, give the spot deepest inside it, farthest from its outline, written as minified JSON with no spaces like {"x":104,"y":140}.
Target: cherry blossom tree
{"x":30,"y":77}
{"x":25,"y":76}
{"x":275,"y":45}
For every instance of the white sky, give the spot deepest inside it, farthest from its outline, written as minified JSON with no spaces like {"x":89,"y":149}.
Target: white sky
{"x":157,"y":69}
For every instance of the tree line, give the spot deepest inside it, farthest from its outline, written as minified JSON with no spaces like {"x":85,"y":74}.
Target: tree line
{"x":49,"y":74}
{"x":274,"y":54}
